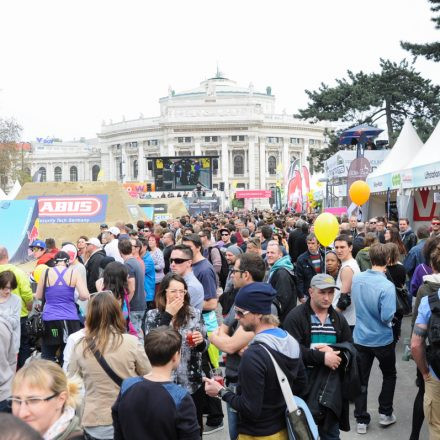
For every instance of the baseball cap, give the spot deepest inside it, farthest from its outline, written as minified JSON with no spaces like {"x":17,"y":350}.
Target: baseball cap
{"x":94,"y":241}
{"x":71,"y":250}
{"x":103,"y":225}
{"x":38,"y":243}
{"x":323,"y":281}
{"x":114,"y":230}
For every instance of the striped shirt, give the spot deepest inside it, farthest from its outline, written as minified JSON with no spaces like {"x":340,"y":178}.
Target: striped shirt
{"x":322,"y":334}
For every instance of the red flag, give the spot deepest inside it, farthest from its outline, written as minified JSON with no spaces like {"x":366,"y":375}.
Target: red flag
{"x":306,"y":185}
{"x":294,"y":193}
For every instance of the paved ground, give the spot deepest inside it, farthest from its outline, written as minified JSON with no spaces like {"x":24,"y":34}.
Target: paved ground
{"x":403,"y":402}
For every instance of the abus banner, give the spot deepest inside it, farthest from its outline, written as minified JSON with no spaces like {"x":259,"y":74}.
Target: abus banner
{"x":72,"y":209}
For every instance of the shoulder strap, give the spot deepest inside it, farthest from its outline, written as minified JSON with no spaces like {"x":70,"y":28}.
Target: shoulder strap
{"x":434,"y":303}
{"x":284,"y":384}
{"x":105,"y":366}
{"x":46,"y":275}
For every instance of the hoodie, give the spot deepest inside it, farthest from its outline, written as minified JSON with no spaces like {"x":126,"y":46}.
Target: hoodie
{"x":285,"y":262}
{"x":259,"y":399}
{"x":431,"y":284}
{"x":363,"y":259}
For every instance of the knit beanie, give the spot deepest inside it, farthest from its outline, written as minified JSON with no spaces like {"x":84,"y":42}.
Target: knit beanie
{"x":256,"y":298}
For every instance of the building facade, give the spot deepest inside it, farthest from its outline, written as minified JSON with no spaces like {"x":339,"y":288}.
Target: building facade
{"x":254,"y":145}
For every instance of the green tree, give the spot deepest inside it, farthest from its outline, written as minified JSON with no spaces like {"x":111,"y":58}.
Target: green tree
{"x":13,"y":160}
{"x":393,"y":94}
{"x":430,"y":51}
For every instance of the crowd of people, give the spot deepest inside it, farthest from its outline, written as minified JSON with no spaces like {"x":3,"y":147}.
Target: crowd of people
{"x":144,"y":330}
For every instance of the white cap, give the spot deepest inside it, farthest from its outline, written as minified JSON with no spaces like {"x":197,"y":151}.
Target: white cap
{"x":94,"y":241}
{"x":114,"y":230}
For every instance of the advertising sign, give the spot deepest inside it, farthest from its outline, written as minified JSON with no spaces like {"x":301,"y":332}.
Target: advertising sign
{"x":426,"y":175}
{"x":72,"y":209}
{"x":197,"y":206}
{"x":254,"y":194}
{"x":336,"y":167}
{"x":424,"y":206}
{"x":341,"y":210}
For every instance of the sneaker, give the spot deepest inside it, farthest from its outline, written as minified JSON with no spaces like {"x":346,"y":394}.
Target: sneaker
{"x":211,"y":429}
{"x":386,"y":420}
{"x":361,"y":428}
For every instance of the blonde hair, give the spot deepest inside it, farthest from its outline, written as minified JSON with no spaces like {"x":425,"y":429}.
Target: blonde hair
{"x":36,"y":374}
{"x":270,"y":320}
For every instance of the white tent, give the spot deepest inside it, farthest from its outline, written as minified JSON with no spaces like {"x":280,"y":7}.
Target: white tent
{"x":430,"y":152}
{"x":407,"y":145}
{"x":14,"y":191}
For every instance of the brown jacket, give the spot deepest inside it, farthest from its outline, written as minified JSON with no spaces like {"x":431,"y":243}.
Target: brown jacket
{"x":128,"y":360}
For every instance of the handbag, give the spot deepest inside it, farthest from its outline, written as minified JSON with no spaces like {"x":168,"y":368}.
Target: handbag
{"x":105,"y":366}
{"x":34,"y":324}
{"x":299,"y":420}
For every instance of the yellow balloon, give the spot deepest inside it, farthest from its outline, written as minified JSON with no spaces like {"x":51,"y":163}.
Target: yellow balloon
{"x":326,"y":228}
{"x":359,"y":192}
{"x":40,"y":269}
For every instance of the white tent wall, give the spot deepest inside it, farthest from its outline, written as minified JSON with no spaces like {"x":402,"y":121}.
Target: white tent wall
{"x":423,"y":207}
{"x":377,"y":204}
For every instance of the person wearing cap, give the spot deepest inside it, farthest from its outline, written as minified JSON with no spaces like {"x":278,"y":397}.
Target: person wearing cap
{"x":316,"y":325}
{"x":374,"y":297}
{"x":96,"y":254}
{"x":41,"y":253}
{"x":260,"y":403}
{"x":111,"y":247}
{"x":228,"y":296}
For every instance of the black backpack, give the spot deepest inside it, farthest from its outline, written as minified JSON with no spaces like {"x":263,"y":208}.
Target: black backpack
{"x":224,"y":271}
{"x":433,"y":351}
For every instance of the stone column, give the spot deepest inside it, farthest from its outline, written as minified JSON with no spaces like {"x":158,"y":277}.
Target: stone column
{"x":262,"y":163}
{"x":66,"y":172}
{"x":141,"y":162}
{"x":171,"y":150}
{"x":251,"y":143}
{"x":285,"y":159}
{"x":305,"y":153}
{"x":125,"y":163}
{"x":225,"y":163}
{"x":111,"y":165}
{"x":197,"y":147}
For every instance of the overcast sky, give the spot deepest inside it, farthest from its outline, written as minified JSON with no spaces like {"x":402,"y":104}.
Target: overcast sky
{"x":66,"y":66}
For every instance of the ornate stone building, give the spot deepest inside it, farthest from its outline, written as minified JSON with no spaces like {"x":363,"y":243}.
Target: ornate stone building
{"x":218,"y":118}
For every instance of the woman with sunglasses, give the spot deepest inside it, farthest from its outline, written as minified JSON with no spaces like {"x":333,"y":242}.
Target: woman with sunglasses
{"x":105,"y":337}
{"x":45,"y":399}
{"x":173,"y":309}
{"x":60,"y":313}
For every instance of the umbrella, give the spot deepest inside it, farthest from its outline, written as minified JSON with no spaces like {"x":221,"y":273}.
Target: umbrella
{"x":361,"y":133}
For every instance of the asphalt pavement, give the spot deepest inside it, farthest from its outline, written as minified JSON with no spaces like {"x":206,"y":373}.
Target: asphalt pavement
{"x":405,"y":393}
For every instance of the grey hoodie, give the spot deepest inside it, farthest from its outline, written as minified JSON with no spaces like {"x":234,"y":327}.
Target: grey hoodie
{"x":8,"y":358}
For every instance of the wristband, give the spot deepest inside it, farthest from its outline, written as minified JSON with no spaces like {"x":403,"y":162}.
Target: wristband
{"x":222,"y":392}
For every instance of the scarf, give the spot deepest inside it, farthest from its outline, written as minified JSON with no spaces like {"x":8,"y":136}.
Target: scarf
{"x":61,"y":424}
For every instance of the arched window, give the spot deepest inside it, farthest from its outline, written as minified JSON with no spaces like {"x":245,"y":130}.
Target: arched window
{"x":41,"y":175}
{"x":238,"y":164}
{"x":95,"y":172}
{"x":58,"y":174}
{"x":135,"y":169}
{"x":73,"y":174}
{"x":272,"y":164}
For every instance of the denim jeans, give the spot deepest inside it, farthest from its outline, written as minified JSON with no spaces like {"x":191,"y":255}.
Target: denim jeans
{"x":137,"y":318}
{"x":387,"y":363}
{"x":331,"y":433}
{"x":232,"y":416}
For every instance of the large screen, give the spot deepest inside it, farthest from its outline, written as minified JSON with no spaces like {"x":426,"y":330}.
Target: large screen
{"x":182,"y":173}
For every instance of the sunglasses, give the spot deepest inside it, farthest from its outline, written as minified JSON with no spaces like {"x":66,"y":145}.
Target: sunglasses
{"x":225,"y":235}
{"x":179,"y":260}
{"x":241,"y":313}
{"x":435,"y":223}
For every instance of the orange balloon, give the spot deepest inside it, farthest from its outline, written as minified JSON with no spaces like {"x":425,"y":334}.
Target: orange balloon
{"x":359,"y":192}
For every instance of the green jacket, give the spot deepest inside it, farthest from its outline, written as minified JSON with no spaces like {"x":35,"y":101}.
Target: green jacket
{"x":363,"y":259}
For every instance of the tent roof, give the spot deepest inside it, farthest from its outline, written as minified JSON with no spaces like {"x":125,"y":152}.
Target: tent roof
{"x":408,"y":145}
{"x":430,"y":152}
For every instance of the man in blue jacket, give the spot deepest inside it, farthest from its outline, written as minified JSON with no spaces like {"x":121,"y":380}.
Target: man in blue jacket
{"x":375,"y":302}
